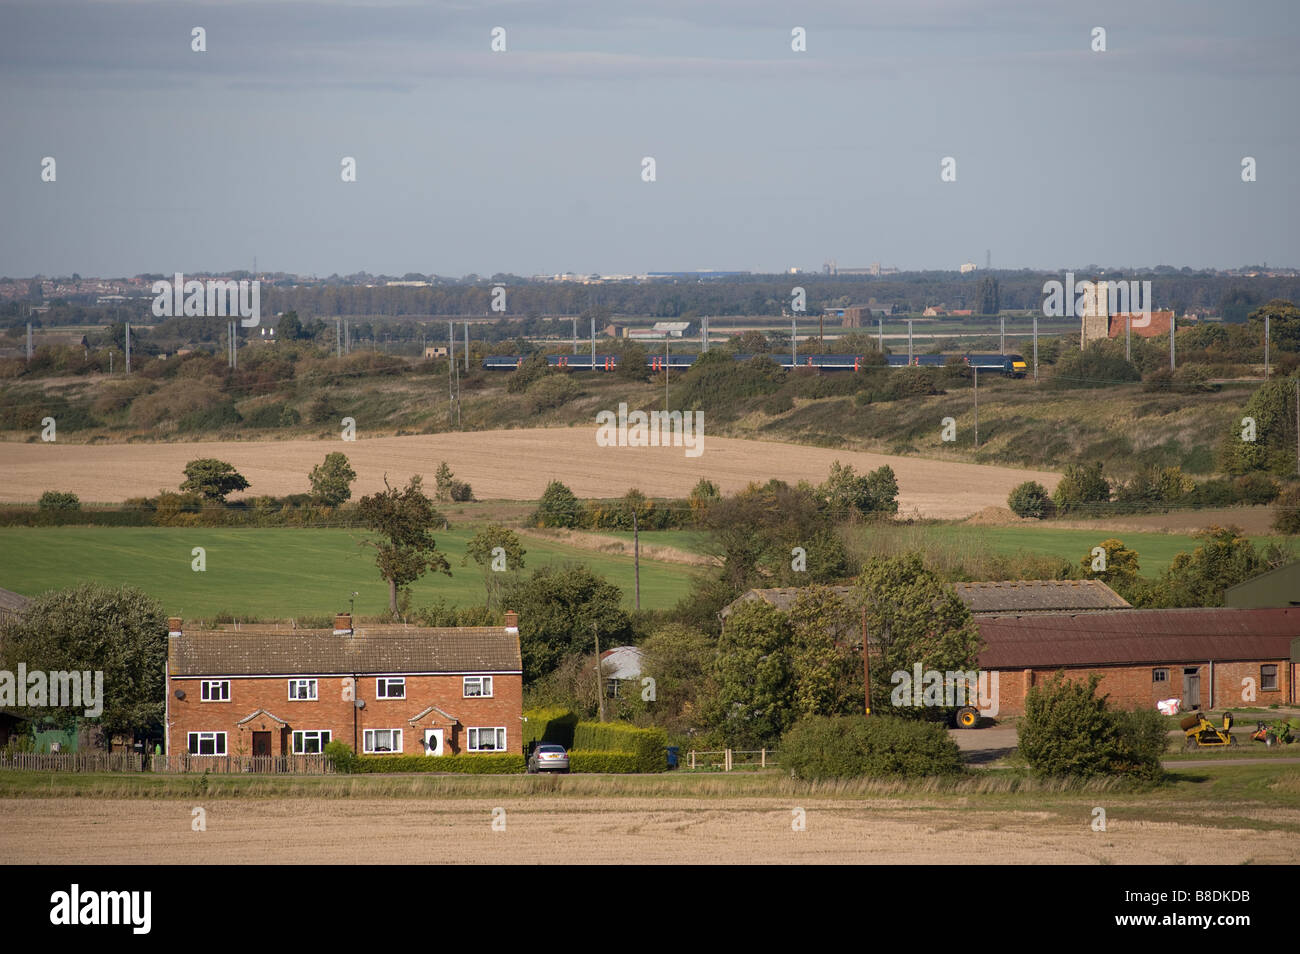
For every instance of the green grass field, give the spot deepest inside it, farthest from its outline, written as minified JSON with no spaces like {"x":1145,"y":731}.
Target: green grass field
{"x":280,"y":572}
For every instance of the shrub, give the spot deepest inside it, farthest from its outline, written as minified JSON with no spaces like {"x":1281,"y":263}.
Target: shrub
{"x":550,"y":392}
{"x":1256,"y":489}
{"x":1031,"y":499}
{"x":1068,"y":731}
{"x":648,"y":746}
{"x":1081,"y":486}
{"x":554,"y":725}
{"x":341,"y":756}
{"x":623,"y":763}
{"x":1286,"y":517}
{"x":58,"y":500}
{"x":276,"y":414}
{"x":1093,"y":368}
{"x":210,"y":418}
{"x":461,"y":492}
{"x":465,"y":763}
{"x":558,"y":507}
{"x":825,"y":747}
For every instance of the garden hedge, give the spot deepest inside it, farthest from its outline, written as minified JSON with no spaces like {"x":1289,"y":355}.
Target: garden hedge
{"x":649,"y":746}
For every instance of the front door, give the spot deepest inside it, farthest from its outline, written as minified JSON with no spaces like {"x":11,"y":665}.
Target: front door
{"x":261,"y":744}
{"x":433,"y":742}
{"x":1191,"y":688}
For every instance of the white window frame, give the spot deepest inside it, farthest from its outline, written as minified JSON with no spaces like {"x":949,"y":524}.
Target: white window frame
{"x":1156,"y":674}
{"x":222,"y":694}
{"x":312,"y":688}
{"x":218,"y":740}
{"x":368,"y":742}
{"x":323,"y":737}
{"x":484,"y":685}
{"x":474,"y":738}
{"x":386,"y":683}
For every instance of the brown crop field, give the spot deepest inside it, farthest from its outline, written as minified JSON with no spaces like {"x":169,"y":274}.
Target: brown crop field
{"x":499,"y":465}
{"x":558,"y":829}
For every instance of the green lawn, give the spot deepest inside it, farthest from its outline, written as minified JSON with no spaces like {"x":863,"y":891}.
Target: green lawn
{"x":279,"y":572}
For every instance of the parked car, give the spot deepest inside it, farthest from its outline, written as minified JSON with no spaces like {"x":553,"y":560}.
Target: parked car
{"x":548,"y":758}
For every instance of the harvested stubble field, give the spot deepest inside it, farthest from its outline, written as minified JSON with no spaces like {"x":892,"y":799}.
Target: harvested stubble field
{"x":564,"y":830}
{"x":709,"y":820}
{"x":499,"y":465}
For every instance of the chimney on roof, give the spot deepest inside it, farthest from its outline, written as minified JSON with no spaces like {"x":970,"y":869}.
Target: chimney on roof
{"x":343,"y":624}
{"x":174,"y":626}
{"x":512,"y":622}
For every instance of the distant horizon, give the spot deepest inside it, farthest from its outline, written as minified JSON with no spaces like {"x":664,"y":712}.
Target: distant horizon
{"x":433,"y":136}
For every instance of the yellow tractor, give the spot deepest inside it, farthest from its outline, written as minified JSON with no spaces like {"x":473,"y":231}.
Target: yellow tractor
{"x":1202,"y":733}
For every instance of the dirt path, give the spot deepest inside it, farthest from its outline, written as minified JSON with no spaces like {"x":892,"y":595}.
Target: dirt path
{"x":504,"y":465}
{"x":570,"y":831}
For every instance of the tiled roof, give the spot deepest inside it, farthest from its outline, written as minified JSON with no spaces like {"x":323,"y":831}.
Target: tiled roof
{"x":1138,"y":637}
{"x":376,"y":650}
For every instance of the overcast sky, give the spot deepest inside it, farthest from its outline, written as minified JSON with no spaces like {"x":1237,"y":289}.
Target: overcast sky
{"x":530,"y":161}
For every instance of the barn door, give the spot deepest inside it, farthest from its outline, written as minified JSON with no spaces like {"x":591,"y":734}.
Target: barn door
{"x":1192,"y":688}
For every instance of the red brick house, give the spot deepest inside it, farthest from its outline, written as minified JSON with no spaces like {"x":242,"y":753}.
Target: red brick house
{"x":271,"y":691}
{"x":1208,"y":658}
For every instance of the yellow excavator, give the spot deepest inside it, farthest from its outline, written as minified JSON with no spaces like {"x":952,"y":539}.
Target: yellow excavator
{"x":1201,"y":733}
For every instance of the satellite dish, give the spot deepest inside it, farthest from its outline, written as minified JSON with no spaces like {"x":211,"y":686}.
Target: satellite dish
{"x":361,"y":703}
{"x":180,"y":693}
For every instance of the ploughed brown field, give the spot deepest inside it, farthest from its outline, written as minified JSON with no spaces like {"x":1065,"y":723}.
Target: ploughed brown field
{"x":499,"y":465}
{"x":551,"y":829}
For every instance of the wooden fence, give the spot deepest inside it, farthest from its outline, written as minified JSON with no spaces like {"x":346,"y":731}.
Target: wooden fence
{"x":136,"y":762}
{"x":728,"y":760}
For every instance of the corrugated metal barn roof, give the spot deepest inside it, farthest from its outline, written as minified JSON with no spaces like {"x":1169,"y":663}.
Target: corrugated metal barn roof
{"x":1042,"y":596}
{"x":1138,"y":637}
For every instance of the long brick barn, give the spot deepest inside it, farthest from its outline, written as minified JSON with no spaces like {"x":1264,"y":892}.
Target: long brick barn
{"x":1208,"y":658}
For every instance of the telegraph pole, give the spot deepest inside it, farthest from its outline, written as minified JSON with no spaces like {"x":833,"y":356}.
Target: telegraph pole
{"x":636,"y":558}
{"x":1035,"y":346}
{"x":881,"y":339}
{"x":909,"y":341}
{"x":600,"y":682}
{"x":1128,"y":336}
{"x":1173,"y":319}
{"x":794,"y":342}
{"x":977,"y":408}
{"x":1265,"y":345}
{"x":866,"y":664}
{"x":128,"y":347}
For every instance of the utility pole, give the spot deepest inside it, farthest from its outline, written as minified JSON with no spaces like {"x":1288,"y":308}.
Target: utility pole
{"x":1035,"y":346}
{"x":128,"y":347}
{"x":1173,"y":319}
{"x":1002,"y":331}
{"x":1128,"y":336}
{"x":467,"y":346}
{"x":706,"y":333}
{"x":665,"y":372}
{"x":881,"y":339}
{"x":1265,"y":345}
{"x":29,"y":340}
{"x":977,"y":408}
{"x":636,"y":557}
{"x":909,"y":341}
{"x":593,"y":342}
{"x":866,"y":664}
{"x":794,"y":342}
{"x":600,"y":682}
{"x":575,"y":335}
{"x":451,"y":363}
{"x":338,"y":338}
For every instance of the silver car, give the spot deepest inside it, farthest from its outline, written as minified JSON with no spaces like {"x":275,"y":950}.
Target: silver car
{"x":549,"y":758}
